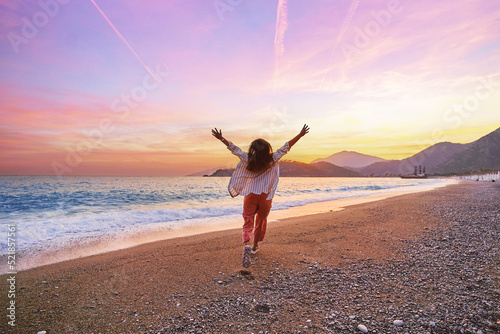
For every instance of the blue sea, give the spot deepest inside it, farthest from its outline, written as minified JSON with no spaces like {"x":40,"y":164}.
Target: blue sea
{"x":52,"y":213}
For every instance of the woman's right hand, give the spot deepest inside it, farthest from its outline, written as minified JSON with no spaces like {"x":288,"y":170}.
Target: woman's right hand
{"x":304,"y":131}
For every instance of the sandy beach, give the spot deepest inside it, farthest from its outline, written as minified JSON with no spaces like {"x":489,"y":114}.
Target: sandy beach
{"x":429,"y":259}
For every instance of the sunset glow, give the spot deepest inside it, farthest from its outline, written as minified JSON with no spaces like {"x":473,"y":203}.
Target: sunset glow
{"x":134,"y":87}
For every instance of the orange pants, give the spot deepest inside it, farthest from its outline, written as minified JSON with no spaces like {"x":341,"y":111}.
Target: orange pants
{"x":253,"y":205}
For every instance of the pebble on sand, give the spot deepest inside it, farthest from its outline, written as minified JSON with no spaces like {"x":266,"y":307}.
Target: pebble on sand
{"x":42,"y":332}
{"x":398,"y":323}
{"x":363,"y":328}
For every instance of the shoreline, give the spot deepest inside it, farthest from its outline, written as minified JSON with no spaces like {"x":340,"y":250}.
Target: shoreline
{"x":30,"y":259}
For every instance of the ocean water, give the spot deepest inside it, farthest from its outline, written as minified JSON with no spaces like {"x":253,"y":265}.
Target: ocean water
{"x":52,"y":213}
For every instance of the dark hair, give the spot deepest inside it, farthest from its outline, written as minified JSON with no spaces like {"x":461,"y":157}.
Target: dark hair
{"x":260,"y":156}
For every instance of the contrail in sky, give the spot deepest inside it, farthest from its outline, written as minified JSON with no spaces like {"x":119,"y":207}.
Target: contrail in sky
{"x":135,"y":53}
{"x":281,"y":26}
{"x":125,"y":41}
{"x":343,"y":29}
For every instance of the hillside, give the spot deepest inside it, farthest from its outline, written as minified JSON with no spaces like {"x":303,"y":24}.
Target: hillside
{"x":483,"y":154}
{"x":431,"y":157}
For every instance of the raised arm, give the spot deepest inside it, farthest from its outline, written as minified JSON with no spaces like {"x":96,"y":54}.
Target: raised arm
{"x":218,"y":134}
{"x":305,"y":129}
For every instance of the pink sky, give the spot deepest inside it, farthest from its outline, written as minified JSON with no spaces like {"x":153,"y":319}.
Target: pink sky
{"x":386,"y":78}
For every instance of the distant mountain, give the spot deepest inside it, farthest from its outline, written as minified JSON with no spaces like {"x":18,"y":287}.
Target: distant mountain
{"x":431,"y":157}
{"x":300,"y":169}
{"x":445,"y":158}
{"x":385,"y":168}
{"x":205,"y":172}
{"x":223,"y":172}
{"x":350,"y":159}
{"x":483,"y":154}
{"x":318,"y":169}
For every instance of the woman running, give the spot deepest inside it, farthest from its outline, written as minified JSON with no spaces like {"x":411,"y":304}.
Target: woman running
{"x":256,"y":177}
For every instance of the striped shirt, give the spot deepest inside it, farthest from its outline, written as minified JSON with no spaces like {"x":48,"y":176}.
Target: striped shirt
{"x":244,"y":182}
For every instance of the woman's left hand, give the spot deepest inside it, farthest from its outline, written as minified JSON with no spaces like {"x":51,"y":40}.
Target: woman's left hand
{"x":217,"y":133}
